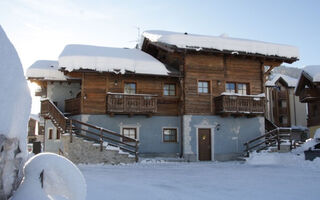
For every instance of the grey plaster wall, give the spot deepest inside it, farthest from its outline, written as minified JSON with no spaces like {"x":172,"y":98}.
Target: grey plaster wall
{"x":51,"y":145}
{"x":298,"y":110}
{"x":228,"y":135}
{"x":60,"y":91}
{"x":149,"y":131}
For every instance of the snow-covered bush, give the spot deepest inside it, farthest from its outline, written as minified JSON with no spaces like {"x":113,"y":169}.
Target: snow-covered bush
{"x":15,"y":105}
{"x":50,"y":176}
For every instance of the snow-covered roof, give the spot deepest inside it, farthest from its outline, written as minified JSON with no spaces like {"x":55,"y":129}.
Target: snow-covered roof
{"x":35,"y":117}
{"x":292,"y":82}
{"x":107,"y":59}
{"x":313,"y":71}
{"x":222,"y":43}
{"x":45,"y":69}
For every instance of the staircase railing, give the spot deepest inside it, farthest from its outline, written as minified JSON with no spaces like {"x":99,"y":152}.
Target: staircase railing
{"x":88,"y":131}
{"x":48,"y":109}
{"x":274,"y":137}
{"x":100,"y":135}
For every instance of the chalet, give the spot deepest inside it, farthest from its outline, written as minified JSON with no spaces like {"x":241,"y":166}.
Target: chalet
{"x":198,"y":97}
{"x":283,"y":107}
{"x":308,"y":90}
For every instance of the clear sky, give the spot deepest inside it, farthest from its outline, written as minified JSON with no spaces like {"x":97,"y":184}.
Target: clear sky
{"x":39,"y":29}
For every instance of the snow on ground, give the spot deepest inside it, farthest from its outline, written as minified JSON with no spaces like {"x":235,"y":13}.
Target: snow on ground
{"x":289,"y":178}
{"x":223,"y":42}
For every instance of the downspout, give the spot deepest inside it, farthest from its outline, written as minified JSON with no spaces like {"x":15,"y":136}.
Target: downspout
{"x":182,"y":107}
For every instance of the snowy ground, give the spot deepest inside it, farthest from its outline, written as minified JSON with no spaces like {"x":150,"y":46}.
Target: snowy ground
{"x":281,"y":177}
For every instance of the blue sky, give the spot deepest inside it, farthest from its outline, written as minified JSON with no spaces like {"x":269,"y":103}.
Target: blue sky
{"x":40,"y":29}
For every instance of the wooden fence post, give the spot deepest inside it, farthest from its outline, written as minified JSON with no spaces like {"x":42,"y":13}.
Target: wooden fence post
{"x":136,"y":153}
{"x":70,"y":130}
{"x":101,"y":140}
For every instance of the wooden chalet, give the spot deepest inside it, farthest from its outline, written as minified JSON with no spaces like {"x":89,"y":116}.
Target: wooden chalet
{"x":308,"y":90}
{"x":177,"y":96}
{"x":283,"y":107}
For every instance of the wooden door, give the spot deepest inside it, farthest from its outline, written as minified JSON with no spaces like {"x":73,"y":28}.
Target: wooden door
{"x":204,"y":144}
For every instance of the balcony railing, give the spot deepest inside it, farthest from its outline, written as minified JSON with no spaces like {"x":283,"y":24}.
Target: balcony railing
{"x":72,"y":106}
{"x":131,"y":103}
{"x":236,"y":104}
{"x":310,"y":95}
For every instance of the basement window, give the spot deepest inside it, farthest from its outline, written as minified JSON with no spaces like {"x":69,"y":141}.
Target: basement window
{"x":130,"y":133}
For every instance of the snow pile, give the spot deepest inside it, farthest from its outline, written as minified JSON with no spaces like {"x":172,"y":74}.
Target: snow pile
{"x":15,"y":106}
{"x":292,"y":82}
{"x":192,"y":41}
{"x":61,"y":179}
{"x":313,"y":71}
{"x":106,"y":59}
{"x":45,"y":69}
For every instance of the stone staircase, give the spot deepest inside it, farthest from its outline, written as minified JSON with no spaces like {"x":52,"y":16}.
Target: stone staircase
{"x":87,"y":143}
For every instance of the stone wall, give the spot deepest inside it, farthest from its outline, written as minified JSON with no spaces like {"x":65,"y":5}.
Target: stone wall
{"x":83,"y":151}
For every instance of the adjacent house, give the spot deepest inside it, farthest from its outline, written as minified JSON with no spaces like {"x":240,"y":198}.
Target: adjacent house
{"x":283,"y":108}
{"x":197,"y":97}
{"x":308,"y":90}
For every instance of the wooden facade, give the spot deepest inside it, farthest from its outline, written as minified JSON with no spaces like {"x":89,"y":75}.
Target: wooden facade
{"x":103,"y":93}
{"x":309,"y":92}
{"x":216,"y":69}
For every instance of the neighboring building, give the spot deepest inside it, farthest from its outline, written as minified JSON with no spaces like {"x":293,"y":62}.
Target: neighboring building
{"x":308,"y":90}
{"x":200,"y":97}
{"x":283,"y":107}
{"x":33,"y":129}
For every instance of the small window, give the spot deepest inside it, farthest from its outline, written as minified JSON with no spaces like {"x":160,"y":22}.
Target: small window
{"x":203,"y":87}
{"x":169,"y":135}
{"x":58,"y":135}
{"x":169,"y":89}
{"x":50,"y":134}
{"x":242,"y":88}
{"x":130,"y":88}
{"x":129,"y":132}
{"x":231,"y":87}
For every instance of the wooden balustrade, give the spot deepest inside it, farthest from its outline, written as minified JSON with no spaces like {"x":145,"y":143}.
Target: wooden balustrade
{"x":73,"y":106}
{"x":282,"y":95}
{"x":126,"y":103}
{"x":309,"y":95}
{"x":239,"y":104}
{"x":48,"y":109}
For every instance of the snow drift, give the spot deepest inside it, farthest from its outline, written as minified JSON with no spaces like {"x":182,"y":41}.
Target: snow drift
{"x":50,"y":176}
{"x":15,"y":105}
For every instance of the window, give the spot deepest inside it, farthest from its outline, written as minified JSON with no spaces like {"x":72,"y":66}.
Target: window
{"x":50,"y":134}
{"x":231,"y":87}
{"x":169,"y":89}
{"x":129,"y":132}
{"x":169,"y":135}
{"x":203,"y":87}
{"x":239,"y":88}
{"x":130,"y":88}
{"x":58,"y":135}
{"x":242,"y":88}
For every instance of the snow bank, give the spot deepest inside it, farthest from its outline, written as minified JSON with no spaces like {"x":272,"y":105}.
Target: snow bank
{"x":61,"y":179}
{"x":15,"y":102}
{"x":192,"y":41}
{"x":313,"y":71}
{"x":45,"y":69}
{"x":106,"y":59}
{"x":292,"y":82}
{"x":15,"y":106}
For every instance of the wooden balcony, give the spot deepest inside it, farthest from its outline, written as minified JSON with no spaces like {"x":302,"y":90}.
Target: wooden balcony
{"x":240,"y":105}
{"x":72,"y":106}
{"x":282,"y":95}
{"x":131,"y":103}
{"x":309,"y":95}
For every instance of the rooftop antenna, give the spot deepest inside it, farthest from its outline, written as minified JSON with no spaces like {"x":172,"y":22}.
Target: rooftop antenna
{"x":137,"y":41}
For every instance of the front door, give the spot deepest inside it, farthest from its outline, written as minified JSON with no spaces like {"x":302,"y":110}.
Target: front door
{"x":204,"y":144}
